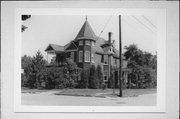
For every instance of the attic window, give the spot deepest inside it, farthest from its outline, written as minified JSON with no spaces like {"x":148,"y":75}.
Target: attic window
{"x":80,"y":42}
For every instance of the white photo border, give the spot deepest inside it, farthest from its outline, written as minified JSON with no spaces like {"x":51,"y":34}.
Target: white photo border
{"x":161,"y":59}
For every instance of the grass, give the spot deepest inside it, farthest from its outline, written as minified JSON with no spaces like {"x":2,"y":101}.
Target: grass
{"x":93,"y":92}
{"x":105,"y":93}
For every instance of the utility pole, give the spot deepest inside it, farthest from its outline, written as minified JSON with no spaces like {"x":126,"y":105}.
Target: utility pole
{"x":120,"y":62}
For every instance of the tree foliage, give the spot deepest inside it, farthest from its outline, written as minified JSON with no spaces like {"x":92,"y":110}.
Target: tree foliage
{"x":84,"y":81}
{"x":71,"y":73}
{"x":99,"y":75}
{"x":93,"y":81}
{"x":143,"y":65}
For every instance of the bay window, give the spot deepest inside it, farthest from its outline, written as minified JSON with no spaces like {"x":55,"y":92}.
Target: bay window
{"x":80,"y":56}
{"x":87,"y":56}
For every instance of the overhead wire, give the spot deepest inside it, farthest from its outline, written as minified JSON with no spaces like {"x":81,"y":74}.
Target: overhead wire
{"x":143,"y":24}
{"x":149,"y":21}
{"x":104,"y":27}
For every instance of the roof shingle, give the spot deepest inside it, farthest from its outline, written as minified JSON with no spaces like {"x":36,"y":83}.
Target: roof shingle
{"x":85,"y":32}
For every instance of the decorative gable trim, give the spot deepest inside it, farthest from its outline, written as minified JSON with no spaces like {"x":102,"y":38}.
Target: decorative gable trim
{"x":71,"y":46}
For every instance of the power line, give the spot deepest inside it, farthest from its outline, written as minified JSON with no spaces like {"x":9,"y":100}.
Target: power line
{"x":149,"y":22}
{"x":143,"y":24}
{"x":104,"y":26}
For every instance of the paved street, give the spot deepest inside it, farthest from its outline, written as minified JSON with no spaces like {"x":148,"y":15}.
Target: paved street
{"x":49,"y":98}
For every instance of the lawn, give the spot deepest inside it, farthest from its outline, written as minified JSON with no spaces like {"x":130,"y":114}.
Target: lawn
{"x":93,"y":92}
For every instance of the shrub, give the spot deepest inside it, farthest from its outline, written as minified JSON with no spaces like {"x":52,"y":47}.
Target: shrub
{"x":83,"y":82}
{"x":143,"y":77}
{"x":93,"y":81}
{"x":111,"y":81}
{"x":99,"y":75}
{"x":71,"y":74}
{"x":104,"y":86}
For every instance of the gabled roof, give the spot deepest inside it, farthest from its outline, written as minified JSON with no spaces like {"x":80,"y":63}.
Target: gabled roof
{"x":53,"y":47}
{"x":70,"y":46}
{"x":85,"y":32}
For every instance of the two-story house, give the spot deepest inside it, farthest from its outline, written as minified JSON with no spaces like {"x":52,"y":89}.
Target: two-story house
{"x":87,"y":49}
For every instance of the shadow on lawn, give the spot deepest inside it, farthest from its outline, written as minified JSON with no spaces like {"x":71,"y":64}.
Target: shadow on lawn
{"x":105,"y":93}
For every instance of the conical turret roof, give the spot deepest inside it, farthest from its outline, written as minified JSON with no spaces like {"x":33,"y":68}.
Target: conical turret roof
{"x":86,"y":32}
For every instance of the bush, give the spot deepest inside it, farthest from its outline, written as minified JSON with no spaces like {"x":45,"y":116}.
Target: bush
{"x":71,"y":74}
{"x":111,"y":81}
{"x":143,"y":77}
{"x":83,"y":83}
{"x":99,"y":75}
{"x":104,"y":86}
{"x":93,"y":81}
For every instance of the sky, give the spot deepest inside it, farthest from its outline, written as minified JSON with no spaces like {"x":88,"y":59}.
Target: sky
{"x":61,"y":29}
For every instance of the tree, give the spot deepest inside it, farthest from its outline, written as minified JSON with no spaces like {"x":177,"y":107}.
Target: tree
{"x":99,"y":75}
{"x":26,"y":62}
{"x":141,"y":64}
{"x":71,"y":73}
{"x":93,"y":81}
{"x":35,"y":71}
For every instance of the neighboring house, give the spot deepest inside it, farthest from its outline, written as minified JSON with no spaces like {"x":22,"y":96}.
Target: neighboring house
{"x":87,"y":49}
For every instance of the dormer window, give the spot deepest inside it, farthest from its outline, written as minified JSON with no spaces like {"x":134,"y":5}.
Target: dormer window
{"x":80,"y":42}
{"x":87,"y":42}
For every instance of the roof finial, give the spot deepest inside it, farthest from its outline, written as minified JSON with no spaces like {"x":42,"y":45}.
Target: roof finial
{"x":86,"y":17}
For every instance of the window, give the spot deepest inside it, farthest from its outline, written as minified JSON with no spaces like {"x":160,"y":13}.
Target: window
{"x":87,"y":42}
{"x":80,"y":56}
{"x":106,"y":59}
{"x":102,"y":58}
{"x":72,"y":56}
{"x":105,"y":76}
{"x":87,"y":56}
{"x":93,"y":43}
{"x":92,"y":57}
{"x":115,"y":62}
{"x":80,"y":42}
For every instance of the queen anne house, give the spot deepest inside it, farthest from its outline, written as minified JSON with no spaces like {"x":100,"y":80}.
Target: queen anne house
{"x":88,"y":49}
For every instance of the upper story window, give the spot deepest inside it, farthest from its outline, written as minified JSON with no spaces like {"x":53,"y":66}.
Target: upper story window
{"x":80,"y":56}
{"x":80,"y":42}
{"x":87,"y":42}
{"x":72,"y":56}
{"x":93,"y":43}
{"x":87,"y":56}
{"x":92,"y":57}
{"x":115,"y":62}
{"x":105,"y":59}
{"x":102,"y":58}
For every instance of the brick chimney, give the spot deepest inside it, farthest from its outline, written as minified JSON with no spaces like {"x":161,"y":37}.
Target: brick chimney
{"x":110,"y":36}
